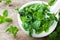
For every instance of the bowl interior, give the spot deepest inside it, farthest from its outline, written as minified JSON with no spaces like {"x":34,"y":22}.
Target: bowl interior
{"x":43,"y":34}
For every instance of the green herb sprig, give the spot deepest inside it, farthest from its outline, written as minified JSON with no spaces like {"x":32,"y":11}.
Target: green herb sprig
{"x":4,"y":18}
{"x":12,"y":29}
{"x":51,"y":2}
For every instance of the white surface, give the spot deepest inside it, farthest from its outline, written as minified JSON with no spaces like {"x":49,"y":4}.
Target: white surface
{"x":55,"y":7}
{"x":43,"y":34}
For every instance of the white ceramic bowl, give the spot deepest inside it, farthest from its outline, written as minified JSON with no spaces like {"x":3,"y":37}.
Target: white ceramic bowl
{"x":43,"y":34}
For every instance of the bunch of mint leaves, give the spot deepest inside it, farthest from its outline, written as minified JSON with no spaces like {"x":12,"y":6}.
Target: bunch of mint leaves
{"x":14,"y":30}
{"x":4,"y":18}
{"x":34,"y":17}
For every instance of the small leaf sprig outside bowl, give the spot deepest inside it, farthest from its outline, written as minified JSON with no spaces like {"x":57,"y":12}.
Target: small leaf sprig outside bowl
{"x":42,"y":34}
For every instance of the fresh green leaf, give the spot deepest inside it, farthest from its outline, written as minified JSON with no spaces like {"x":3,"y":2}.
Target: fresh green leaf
{"x":24,"y":19}
{"x":36,"y":25}
{"x":8,"y":2}
{"x":44,"y":6}
{"x":30,"y":32}
{"x":2,"y":19}
{"x":40,"y":30}
{"x":46,"y":25}
{"x":8,"y":20}
{"x":34,"y":8}
{"x":13,"y":29}
{"x":5,"y":13}
{"x":53,"y":17}
{"x":51,"y":2}
{"x":25,"y":25}
{"x":40,"y":16}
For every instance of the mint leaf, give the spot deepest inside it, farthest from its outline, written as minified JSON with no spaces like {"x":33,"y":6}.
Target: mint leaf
{"x":34,"y":7}
{"x":2,"y":19}
{"x":36,"y":25}
{"x":5,"y":13}
{"x":8,"y":2}
{"x":26,"y":26}
{"x":8,"y":20}
{"x":40,"y":30}
{"x":13,"y":29}
{"x":24,"y":18}
{"x":46,"y":26}
{"x":30,"y":32}
{"x":51,"y":2}
{"x":40,"y":16}
{"x":52,"y":17}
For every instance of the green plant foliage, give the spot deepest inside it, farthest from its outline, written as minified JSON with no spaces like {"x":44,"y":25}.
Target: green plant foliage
{"x":3,"y":18}
{"x":35,"y":17}
{"x":13,"y":29}
{"x":8,"y":2}
{"x":51,"y":2}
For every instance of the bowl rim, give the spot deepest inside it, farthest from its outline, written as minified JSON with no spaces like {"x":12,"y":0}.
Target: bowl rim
{"x":43,"y":34}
